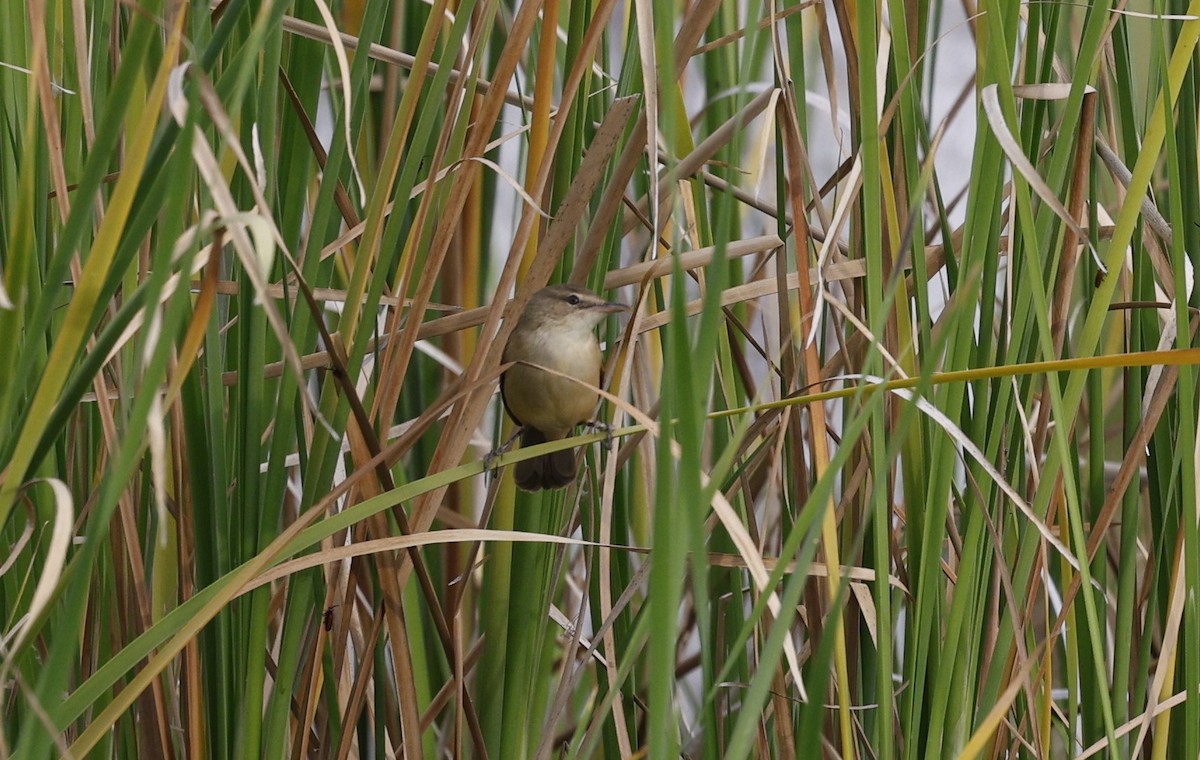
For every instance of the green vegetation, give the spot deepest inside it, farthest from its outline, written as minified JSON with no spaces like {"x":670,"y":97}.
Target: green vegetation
{"x":904,"y":456}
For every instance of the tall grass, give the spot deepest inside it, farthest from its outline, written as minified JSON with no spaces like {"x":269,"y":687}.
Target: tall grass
{"x":904,"y":452}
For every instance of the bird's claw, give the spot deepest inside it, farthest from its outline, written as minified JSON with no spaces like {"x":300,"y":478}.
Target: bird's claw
{"x":603,"y":427}
{"x":489,"y":461}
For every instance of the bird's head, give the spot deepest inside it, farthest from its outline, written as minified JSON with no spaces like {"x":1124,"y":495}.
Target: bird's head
{"x":569,"y":306}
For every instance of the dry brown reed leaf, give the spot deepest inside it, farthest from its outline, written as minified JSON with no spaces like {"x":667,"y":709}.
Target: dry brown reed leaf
{"x":388,"y":55}
{"x":570,"y":212}
{"x":690,"y":165}
{"x":686,"y":41}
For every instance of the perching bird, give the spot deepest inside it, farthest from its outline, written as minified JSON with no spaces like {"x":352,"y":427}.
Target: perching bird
{"x":556,"y":330}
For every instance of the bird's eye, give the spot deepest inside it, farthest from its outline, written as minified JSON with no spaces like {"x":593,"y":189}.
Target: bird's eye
{"x":573,"y":300}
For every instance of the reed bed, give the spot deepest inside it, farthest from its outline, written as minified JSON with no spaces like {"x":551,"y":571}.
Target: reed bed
{"x":903,"y":458}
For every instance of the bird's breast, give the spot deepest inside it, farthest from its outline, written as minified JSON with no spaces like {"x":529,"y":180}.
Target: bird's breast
{"x":549,"y":402}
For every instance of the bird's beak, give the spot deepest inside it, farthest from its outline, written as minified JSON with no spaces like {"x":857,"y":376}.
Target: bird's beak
{"x":611,"y":307}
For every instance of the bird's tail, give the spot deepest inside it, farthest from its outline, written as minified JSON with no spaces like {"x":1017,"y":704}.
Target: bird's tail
{"x":548,"y":471}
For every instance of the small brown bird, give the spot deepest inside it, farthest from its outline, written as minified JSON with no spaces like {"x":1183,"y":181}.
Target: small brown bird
{"x":556,"y":331}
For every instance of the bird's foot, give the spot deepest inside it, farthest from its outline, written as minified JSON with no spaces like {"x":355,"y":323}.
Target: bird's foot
{"x":489,"y":459}
{"x":603,"y":427}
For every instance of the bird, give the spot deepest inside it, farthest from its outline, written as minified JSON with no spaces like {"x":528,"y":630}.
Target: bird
{"x":555,"y":331}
